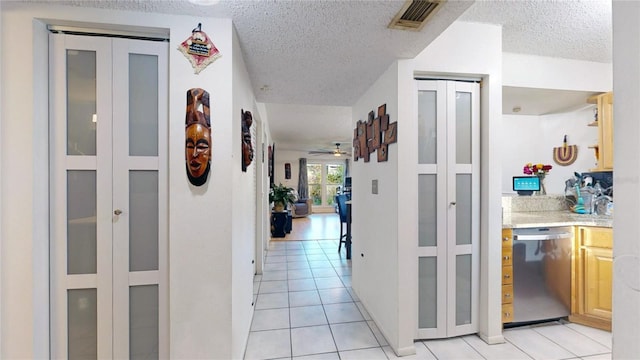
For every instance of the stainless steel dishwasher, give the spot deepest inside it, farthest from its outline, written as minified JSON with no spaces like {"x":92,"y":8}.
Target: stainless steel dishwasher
{"x":541,"y":273}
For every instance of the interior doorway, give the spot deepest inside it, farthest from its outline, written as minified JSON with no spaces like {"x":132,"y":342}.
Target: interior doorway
{"x":109,"y":197}
{"x":449,"y":208}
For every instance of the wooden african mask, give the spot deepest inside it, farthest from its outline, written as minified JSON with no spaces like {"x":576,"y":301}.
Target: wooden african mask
{"x":197,"y":136}
{"x":247,"y":146}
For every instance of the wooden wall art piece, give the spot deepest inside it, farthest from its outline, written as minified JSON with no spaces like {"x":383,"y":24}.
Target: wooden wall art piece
{"x":362,"y":138}
{"x":271,"y":158}
{"x":370,"y":146}
{"x":356,"y":145}
{"x":384,"y":122}
{"x":247,"y":145}
{"x":391,"y":135}
{"x":374,"y":134}
{"x":198,"y":136}
{"x":199,"y":49}
{"x":382,"y":153}
{"x":287,"y":171}
{"x":376,"y":141}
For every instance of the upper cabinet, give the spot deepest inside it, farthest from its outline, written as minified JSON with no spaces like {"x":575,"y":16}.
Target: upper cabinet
{"x":604,"y":122}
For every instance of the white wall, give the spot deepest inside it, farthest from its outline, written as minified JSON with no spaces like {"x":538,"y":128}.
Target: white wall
{"x":200,"y":224}
{"x":263,"y":215}
{"x":293,"y":157}
{"x":472,"y":49}
{"x":385,"y":278}
{"x":554,"y":73}
{"x":243,"y":208}
{"x":200,"y":258}
{"x":1,"y":186}
{"x":626,"y":245}
{"x":531,"y":139}
{"x":375,"y":218}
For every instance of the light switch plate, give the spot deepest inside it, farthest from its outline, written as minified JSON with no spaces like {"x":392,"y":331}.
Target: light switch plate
{"x":374,"y":186}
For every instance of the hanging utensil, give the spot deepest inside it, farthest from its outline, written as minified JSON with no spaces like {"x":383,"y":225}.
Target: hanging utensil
{"x":566,"y":154}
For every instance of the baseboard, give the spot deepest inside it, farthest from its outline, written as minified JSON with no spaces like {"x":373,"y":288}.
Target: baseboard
{"x":492,"y":340}
{"x":405,"y":351}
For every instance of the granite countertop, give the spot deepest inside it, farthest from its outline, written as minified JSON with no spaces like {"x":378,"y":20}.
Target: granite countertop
{"x":522,"y":219}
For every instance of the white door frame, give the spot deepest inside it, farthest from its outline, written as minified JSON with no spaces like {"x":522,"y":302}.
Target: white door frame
{"x":445,"y":171}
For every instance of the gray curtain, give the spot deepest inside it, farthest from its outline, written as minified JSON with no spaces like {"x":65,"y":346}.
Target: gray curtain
{"x":347,"y":171}
{"x":303,"y":182}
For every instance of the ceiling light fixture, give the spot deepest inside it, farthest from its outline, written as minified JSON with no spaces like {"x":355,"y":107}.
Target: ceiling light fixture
{"x":205,"y":2}
{"x":516,"y":109}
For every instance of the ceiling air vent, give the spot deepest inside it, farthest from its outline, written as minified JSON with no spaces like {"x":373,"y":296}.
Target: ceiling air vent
{"x":415,"y":13}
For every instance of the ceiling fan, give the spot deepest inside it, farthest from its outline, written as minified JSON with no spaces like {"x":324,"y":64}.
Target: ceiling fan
{"x":334,"y":152}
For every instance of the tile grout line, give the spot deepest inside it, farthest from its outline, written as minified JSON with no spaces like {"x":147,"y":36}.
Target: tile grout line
{"x":516,"y":346}
{"x":553,"y":341}
{"x":583,"y":334}
{"x":333,"y":267}
{"x":289,"y":308}
{"x":471,"y":346}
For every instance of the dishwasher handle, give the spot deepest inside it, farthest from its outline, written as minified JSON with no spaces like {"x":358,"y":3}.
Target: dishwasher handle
{"x":536,"y":237}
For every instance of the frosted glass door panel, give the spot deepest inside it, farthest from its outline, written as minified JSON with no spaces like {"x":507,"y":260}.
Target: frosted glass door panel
{"x":81,"y":222}
{"x":463,"y":209}
{"x":463,"y":289}
{"x":463,"y":128}
{"x":143,"y":220}
{"x":427,"y":138}
{"x":143,"y":105}
{"x":427,"y":292}
{"x":143,"y":322}
{"x":448,"y":168}
{"x":82,"y":324}
{"x":81,"y":102}
{"x":427,"y":212}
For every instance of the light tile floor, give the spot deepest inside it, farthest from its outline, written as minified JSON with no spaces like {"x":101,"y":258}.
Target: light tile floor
{"x":305,"y":308}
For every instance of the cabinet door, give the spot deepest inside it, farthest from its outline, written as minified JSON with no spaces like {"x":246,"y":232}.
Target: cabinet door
{"x":598,"y":270}
{"x":605,"y":104}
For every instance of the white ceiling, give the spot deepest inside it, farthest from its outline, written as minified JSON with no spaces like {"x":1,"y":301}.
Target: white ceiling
{"x":315,"y":58}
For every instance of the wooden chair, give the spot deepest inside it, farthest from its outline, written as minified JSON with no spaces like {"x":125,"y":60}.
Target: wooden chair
{"x":341,"y":200}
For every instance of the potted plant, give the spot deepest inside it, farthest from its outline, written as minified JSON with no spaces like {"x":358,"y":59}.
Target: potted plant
{"x":281,"y":196}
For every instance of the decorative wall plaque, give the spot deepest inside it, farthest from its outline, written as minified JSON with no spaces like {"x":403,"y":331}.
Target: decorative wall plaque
{"x":374,"y":134}
{"x":199,"y":49}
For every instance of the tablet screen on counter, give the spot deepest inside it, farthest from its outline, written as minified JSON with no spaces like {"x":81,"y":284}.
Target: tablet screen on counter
{"x":526,"y":183}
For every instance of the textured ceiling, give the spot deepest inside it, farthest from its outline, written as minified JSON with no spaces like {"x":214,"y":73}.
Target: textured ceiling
{"x":320,"y":56}
{"x":321,"y":52}
{"x":562,"y":28}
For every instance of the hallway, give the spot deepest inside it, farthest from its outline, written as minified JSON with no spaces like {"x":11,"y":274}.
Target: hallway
{"x":305,"y":308}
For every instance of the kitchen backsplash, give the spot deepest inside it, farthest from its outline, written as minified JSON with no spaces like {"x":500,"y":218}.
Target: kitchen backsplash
{"x":517,"y":203}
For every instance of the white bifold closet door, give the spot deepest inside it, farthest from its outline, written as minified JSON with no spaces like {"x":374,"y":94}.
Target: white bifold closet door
{"x":449,"y":202}
{"x":108,"y":185}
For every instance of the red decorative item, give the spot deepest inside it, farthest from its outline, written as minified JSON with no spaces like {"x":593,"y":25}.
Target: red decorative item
{"x":199,"y":50}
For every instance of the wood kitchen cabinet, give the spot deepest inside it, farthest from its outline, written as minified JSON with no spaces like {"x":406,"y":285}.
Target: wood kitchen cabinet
{"x":592,"y":277}
{"x":507,"y":276}
{"x":604,"y":121}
